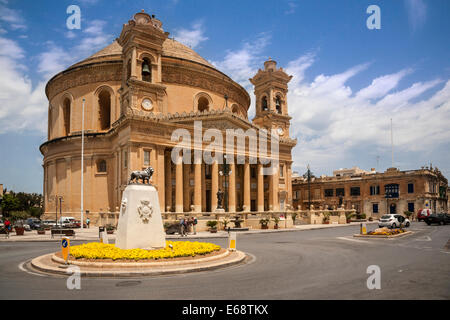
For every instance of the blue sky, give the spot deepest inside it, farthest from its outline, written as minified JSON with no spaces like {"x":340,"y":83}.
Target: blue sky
{"x":348,"y":80}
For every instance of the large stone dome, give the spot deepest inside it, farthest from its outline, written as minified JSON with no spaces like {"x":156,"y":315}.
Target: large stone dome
{"x":171,"y":48}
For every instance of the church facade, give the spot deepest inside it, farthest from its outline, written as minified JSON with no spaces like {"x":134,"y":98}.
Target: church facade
{"x":136,"y":93}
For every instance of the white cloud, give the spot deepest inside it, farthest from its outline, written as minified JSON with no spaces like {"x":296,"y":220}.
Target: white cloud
{"x":22,"y":107}
{"x":417,"y":13}
{"x":191,"y":37}
{"x":337,"y":128}
{"x":243,"y":63}
{"x":56,"y":58}
{"x":12,"y":18}
{"x":292,"y":5}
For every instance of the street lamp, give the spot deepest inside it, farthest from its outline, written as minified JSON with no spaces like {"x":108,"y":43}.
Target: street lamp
{"x":225,"y":173}
{"x":60,"y":205}
{"x":308,"y":176}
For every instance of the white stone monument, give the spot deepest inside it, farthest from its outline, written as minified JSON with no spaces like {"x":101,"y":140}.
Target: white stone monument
{"x":140,"y":221}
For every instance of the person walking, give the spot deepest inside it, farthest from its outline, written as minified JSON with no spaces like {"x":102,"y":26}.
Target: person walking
{"x":194,"y":224}
{"x":8,"y":225}
{"x":87,"y":222}
{"x":182,"y":227}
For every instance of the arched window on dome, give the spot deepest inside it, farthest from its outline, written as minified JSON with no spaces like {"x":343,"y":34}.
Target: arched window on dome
{"x":278,"y":104}
{"x":264,"y":103}
{"x":66,"y":116}
{"x":104,"y":104}
{"x":101,"y":166}
{"x":235,"y":109}
{"x":203,"y":104}
{"x":146,"y":70}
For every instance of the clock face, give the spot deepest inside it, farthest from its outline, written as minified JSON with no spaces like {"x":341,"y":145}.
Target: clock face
{"x":147,"y":104}
{"x":280,"y":131}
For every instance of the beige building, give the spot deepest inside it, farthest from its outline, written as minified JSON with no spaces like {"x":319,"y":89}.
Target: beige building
{"x":375,"y":193}
{"x":136,"y":93}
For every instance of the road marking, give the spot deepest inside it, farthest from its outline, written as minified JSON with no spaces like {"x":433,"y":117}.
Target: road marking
{"x":354,"y":240}
{"x":425,"y":238}
{"x":21,"y":267}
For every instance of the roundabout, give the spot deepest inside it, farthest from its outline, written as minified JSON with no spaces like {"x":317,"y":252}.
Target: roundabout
{"x":53,"y":263}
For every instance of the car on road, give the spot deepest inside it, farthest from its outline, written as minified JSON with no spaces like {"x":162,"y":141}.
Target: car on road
{"x":48,"y":223}
{"x":67,"y":222}
{"x":393,"y":221}
{"x":422,"y":214}
{"x":34,"y":223}
{"x":439,"y":218}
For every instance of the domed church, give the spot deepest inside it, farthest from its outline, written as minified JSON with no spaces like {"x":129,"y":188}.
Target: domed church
{"x":136,"y":93}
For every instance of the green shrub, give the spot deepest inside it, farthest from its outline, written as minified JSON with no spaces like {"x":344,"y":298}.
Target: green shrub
{"x":212,"y":224}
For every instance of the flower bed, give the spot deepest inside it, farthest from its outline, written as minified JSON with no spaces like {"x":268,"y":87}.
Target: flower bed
{"x":97,"y":250}
{"x":385,"y":232}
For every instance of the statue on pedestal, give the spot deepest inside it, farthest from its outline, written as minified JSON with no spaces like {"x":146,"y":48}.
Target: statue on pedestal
{"x":219,"y":199}
{"x":145,"y":175}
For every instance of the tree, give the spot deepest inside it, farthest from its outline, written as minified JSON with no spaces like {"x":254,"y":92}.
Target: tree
{"x":10,"y":203}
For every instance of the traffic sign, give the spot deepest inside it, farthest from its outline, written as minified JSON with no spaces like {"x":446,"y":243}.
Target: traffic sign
{"x":65,"y":248}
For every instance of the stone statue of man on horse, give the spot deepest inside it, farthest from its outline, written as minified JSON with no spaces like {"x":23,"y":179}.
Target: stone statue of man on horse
{"x":144,"y":175}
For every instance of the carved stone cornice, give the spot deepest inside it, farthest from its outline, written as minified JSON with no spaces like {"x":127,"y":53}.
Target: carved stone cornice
{"x":82,"y":75}
{"x":210,"y":80}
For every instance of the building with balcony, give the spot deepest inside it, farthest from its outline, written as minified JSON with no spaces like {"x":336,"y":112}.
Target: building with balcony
{"x":374,"y":193}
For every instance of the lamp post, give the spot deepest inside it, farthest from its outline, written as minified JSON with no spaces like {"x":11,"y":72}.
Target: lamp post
{"x":82,"y":162}
{"x":225,"y":173}
{"x":60,"y":205}
{"x":308,"y":176}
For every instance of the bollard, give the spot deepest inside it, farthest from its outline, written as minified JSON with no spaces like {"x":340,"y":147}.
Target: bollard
{"x":101,"y":230}
{"x":65,"y":248}
{"x":232,"y":241}
{"x":363,"y":228}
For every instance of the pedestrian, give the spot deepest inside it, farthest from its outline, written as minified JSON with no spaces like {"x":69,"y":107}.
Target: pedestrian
{"x":185,"y":224}
{"x":87,"y":222}
{"x":194,"y":224}
{"x":8,"y":225}
{"x":182,"y":223}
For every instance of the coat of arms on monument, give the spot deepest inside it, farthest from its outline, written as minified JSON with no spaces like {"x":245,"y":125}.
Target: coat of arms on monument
{"x":145,"y":210}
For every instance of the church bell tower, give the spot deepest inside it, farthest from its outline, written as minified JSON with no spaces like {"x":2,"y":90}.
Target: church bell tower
{"x":271,"y":87}
{"x":142,"y":41}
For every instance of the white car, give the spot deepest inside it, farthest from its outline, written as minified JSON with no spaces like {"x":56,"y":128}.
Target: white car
{"x":393,"y":221}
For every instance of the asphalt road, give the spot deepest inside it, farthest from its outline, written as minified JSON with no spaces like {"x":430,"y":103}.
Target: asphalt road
{"x":314,"y":264}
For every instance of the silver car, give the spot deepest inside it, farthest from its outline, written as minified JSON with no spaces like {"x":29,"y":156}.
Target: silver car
{"x":393,"y":221}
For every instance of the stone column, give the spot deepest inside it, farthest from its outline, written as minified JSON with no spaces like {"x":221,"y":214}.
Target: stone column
{"x":186,"y":187}
{"x":260,"y":197}
{"x":198,"y":187}
{"x":275,"y":185}
{"x":161,"y":178}
{"x":179,"y":185}
{"x":232,"y":189}
{"x":203,"y":188}
{"x":214,"y":185}
{"x":168,"y":181}
{"x":247,"y":186}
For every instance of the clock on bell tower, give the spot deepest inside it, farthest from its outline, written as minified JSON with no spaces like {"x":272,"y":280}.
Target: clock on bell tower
{"x":271,"y":87}
{"x":142,"y":41}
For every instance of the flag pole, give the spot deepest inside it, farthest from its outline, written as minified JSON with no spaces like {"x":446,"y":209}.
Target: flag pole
{"x":82,"y":163}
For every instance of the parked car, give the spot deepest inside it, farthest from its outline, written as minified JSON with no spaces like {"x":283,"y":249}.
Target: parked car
{"x":422,"y":214}
{"x":66,"y":222}
{"x":48,"y":223}
{"x":439,"y":218}
{"x":393,"y":221}
{"x":34,"y":223}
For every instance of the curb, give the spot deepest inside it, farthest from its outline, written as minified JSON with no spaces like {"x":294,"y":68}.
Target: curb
{"x":177,"y":237}
{"x":382,"y":236}
{"x":238,"y":258}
